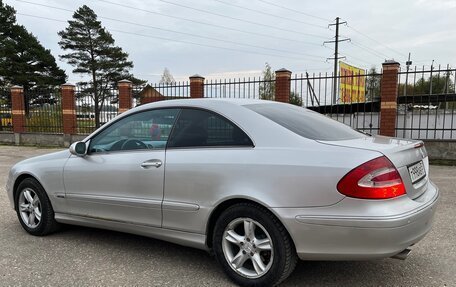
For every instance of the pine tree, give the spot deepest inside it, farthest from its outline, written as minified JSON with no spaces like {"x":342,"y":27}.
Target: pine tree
{"x":167,"y":78}
{"x":372,"y":85}
{"x":92,"y":52}
{"x":23,"y":60}
{"x":267,"y":89}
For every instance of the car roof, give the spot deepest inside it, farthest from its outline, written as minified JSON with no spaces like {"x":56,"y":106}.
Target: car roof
{"x":213,"y":102}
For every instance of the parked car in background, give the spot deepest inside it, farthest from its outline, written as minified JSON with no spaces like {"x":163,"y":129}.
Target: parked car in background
{"x":260,"y":184}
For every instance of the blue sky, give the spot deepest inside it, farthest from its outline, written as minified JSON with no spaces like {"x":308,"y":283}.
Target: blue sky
{"x":234,"y":38}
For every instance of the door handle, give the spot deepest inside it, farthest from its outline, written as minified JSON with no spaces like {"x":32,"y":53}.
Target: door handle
{"x":153,"y":162}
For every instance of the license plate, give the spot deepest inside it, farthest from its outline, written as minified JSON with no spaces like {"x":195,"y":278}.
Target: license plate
{"x":417,"y":171}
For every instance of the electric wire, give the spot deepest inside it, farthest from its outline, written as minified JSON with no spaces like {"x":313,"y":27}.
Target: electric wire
{"x":376,"y":41}
{"x":241,"y":20}
{"x":293,"y":10}
{"x":179,"y":41}
{"x":272,"y":15}
{"x":179,"y":32}
{"x":208,"y":24}
{"x":371,"y":51}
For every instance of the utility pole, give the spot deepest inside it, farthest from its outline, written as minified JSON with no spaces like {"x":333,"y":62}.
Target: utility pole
{"x":336,"y":56}
{"x":408,"y":64}
{"x":430,"y":88}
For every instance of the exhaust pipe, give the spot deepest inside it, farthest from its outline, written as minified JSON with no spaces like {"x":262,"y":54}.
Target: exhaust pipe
{"x":402,"y":255}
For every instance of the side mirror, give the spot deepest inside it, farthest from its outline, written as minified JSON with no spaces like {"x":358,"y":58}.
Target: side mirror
{"x":78,"y":148}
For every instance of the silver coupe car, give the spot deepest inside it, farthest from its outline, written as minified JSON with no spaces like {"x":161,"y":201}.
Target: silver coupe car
{"x":259,"y":184}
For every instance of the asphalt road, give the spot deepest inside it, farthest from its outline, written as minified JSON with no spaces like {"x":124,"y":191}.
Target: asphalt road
{"x":78,"y":256}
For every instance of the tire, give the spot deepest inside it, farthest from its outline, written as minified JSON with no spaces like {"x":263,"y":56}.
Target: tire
{"x":34,"y":209}
{"x":265,"y":258}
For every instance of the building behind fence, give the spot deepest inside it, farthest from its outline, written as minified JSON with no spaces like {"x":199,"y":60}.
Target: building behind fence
{"x":415,"y":103}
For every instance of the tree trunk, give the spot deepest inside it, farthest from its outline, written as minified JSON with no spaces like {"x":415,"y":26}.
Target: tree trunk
{"x":97,"y":112}
{"x":96,"y":98}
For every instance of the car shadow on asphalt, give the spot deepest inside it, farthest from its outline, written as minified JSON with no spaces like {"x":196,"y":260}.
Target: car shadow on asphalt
{"x":143,"y":251}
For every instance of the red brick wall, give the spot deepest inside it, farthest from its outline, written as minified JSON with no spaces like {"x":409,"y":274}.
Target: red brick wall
{"x":282,"y":86}
{"x":18,"y":109}
{"x":388,"y":98}
{"x":68,"y":109}
{"x":196,"y":86}
{"x":125,"y":95}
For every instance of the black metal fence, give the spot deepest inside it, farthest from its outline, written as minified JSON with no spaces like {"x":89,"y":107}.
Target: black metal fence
{"x":176,"y":90}
{"x":245,"y":88}
{"x":6,"y":118}
{"x":43,"y":110}
{"x":425,"y":110}
{"x":426,"y":103}
{"x":88,"y":118}
{"x":351,"y":105}
{"x":160,"y":91}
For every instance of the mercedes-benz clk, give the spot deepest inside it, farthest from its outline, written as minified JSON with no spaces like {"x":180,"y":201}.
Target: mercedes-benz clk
{"x":258,"y":184}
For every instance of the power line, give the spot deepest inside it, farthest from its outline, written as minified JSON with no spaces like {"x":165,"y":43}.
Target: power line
{"x":371,"y":51}
{"x":357,"y":59}
{"x":293,"y":10}
{"x":241,"y":20}
{"x":272,"y":15}
{"x":378,"y":42}
{"x":206,"y":23}
{"x":178,"y":41}
{"x":178,"y":32}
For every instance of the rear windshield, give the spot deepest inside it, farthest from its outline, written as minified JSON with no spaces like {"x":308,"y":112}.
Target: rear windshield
{"x":305,"y":122}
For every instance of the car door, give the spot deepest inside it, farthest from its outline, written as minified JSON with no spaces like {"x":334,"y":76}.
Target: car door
{"x":121,"y":178}
{"x":206,"y":155}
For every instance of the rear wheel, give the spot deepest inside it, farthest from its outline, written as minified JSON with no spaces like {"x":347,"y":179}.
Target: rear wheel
{"x":252,"y":246}
{"x":34,"y":209}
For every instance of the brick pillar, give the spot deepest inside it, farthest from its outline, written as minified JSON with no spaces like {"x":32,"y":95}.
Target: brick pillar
{"x":282,"y":85}
{"x":196,"y":86}
{"x":125,"y":95}
{"x":388,"y":98}
{"x":18,"y":109}
{"x":68,"y":108}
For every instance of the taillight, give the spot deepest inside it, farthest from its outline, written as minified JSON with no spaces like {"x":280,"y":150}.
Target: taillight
{"x":375,"y":179}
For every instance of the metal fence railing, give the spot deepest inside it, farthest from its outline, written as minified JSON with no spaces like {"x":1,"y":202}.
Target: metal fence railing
{"x":357,"y":108}
{"x":94,"y":110}
{"x":43,"y":110}
{"x":6,"y":118}
{"x":245,"y":88}
{"x":159,"y":92}
{"x":426,"y":103}
{"x":177,"y":90}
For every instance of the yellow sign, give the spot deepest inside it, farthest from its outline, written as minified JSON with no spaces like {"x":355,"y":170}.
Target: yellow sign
{"x":352,"y":84}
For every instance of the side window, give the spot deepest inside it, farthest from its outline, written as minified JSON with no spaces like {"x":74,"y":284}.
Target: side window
{"x":144,"y":130}
{"x":200,"y":128}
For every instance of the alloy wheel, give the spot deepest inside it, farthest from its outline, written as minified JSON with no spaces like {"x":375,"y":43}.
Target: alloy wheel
{"x":248,"y":248}
{"x":30,"y":208}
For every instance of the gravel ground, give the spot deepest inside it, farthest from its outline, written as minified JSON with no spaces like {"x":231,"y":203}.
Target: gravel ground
{"x":78,"y":256}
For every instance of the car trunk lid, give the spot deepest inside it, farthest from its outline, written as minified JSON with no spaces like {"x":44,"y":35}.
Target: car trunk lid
{"x":408,"y":156}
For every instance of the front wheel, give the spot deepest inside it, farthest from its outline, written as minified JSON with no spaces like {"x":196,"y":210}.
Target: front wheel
{"x":34,"y":209}
{"x":252,"y":246}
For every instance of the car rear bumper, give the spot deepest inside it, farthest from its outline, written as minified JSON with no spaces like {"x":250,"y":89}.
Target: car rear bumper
{"x":355,"y":229}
